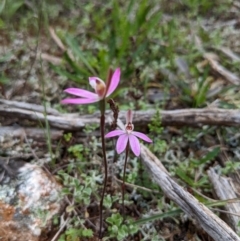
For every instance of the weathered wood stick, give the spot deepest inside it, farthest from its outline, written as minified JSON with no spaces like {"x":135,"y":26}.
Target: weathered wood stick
{"x":224,"y":189}
{"x":211,"y":223}
{"x":28,"y":106}
{"x":30,"y":132}
{"x":189,"y":117}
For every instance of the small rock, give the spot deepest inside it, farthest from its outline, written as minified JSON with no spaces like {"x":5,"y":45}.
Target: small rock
{"x":28,"y":201}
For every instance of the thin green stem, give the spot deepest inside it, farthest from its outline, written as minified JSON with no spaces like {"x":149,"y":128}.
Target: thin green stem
{"x":124,"y":173}
{"x":102,"y":127}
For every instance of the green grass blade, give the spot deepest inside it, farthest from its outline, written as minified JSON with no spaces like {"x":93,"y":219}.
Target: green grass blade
{"x":72,"y":43}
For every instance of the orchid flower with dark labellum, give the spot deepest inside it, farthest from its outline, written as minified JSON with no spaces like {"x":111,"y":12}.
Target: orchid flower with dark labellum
{"x":128,"y":136}
{"x":102,"y":90}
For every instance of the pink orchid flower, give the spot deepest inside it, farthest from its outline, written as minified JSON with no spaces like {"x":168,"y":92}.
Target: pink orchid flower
{"x":102,"y":90}
{"x":128,"y":136}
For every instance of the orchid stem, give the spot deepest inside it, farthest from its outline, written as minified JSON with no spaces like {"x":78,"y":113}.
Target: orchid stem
{"x":124,"y":172}
{"x":102,"y":127}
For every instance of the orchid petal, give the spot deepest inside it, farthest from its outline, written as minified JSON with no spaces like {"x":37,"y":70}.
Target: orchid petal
{"x":114,"y":133}
{"x":142,"y":136}
{"x":81,"y":93}
{"x":135,"y":145}
{"x":114,"y":82}
{"x":79,"y":101}
{"x":122,"y":143}
{"x":129,"y":117}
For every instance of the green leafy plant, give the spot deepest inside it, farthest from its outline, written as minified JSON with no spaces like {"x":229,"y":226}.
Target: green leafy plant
{"x":156,"y":131}
{"x":124,"y":38}
{"x":77,"y":151}
{"x":9,"y":7}
{"x":230,"y":167}
{"x":186,"y":170}
{"x":203,"y":85}
{"x":73,"y":234}
{"x":119,"y":230}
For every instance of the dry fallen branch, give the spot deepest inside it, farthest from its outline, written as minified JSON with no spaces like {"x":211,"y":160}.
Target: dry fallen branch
{"x":211,"y":223}
{"x":33,"y":133}
{"x":224,"y":188}
{"x":189,"y":117}
{"x":27,"y":106}
{"x":231,"y":77}
{"x":229,"y":53}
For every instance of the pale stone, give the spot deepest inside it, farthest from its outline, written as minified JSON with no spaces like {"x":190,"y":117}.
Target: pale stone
{"x":28,"y":201}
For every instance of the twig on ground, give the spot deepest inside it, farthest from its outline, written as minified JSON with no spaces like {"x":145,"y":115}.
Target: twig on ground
{"x":61,"y":229}
{"x":224,"y":189}
{"x":211,"y":223}
{"x":181,"y":117}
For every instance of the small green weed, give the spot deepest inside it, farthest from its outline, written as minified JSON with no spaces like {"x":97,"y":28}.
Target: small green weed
{"x":230,"y":167}
{"x":187,"y":170}
{"x":119,"y":230}
{"x":156,"y":131}
{"x":73,"y":234}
